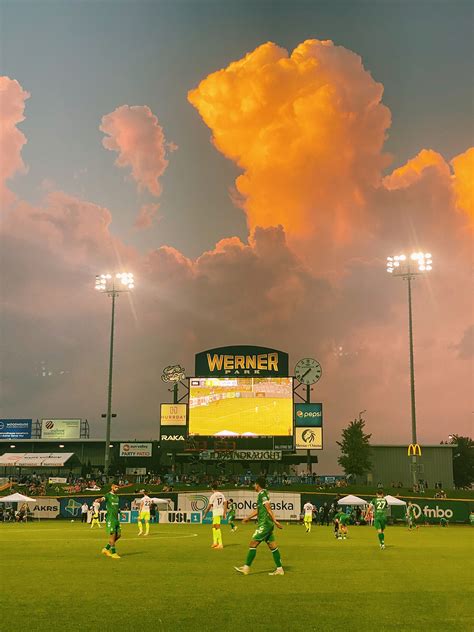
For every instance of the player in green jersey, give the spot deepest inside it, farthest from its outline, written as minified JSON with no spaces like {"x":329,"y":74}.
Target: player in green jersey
{"x":112,"y":521}
{"x":231,"y":507}
{"x":343,"y":520}
{"x":411,"y":519}
{"x":380,"y":505}
{"x":266,"y":522}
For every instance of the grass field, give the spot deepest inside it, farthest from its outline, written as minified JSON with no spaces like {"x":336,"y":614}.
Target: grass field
{"x":53,"y":577}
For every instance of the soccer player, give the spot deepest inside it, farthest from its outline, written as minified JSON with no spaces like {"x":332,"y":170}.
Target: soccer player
{"x":380,"y":505}
{"x":335,"y":521}
{"x":411,"y":516}
{"x":112,"y":521}
{"x":95,"y":514}
{"x":308,"y":516}
{"x":343,"y":520}
{"x":266,"y":522}
{"x":144,"y":513}
{"x":218,"y":504}
{"x":231,"y":515}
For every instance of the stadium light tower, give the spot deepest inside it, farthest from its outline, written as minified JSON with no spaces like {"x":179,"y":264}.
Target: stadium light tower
{"x":112,"y":285}
{"x":418,"y":263}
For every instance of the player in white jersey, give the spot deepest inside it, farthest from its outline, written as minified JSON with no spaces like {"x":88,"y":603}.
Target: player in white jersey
{"x":144,"y":513}
{"x":218,"y":504}
{"x":308,"y":516}
{"x":95,"y":520}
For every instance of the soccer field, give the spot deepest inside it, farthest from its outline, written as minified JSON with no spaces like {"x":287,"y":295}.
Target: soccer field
{"x":259,"y":415}
{"x":53,"y":577}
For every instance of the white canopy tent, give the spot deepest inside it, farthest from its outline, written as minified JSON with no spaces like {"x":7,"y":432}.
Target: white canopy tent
{"x":16,"y":498}
{"x":352,"y":500}
{"x":392,"y":500}
{"x":35,"y":459}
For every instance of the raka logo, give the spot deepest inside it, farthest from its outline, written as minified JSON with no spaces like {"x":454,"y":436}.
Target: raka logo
{"x":172,"y":437}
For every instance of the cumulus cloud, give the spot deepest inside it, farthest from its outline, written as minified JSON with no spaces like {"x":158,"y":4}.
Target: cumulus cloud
{"x":145,"y":216}
{"x":12,"y":107}
{"x":138,"y":138}
{"x":307,"y":129}
{"x":463,"y":166}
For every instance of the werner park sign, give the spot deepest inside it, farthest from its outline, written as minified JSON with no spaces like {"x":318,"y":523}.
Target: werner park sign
{"x":243,"y":360}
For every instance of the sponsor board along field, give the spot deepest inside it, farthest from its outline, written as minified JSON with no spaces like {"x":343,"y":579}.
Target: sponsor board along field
{"x":53,"y":577}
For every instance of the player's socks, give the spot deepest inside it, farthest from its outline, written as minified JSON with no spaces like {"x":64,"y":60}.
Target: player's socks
{"x":214,"y":537}
{"x":219,"y":537}
{"x":276,"y":558}
{"x":381,"y":538}
{"x":250,"y":556}
{"x":112,"y":549}
{"x":108,"y":547}
{"x":147,"y":528}
{"x":309,"y":527}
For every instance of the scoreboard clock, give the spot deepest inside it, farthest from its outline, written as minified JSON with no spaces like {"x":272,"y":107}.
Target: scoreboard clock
{"x":308,"y":371}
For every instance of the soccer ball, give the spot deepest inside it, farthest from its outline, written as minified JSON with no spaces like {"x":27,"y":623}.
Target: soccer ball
{"x":72,"y":520}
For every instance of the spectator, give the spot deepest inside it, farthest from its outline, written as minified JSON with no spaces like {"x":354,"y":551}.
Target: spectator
{"x":84,"y":511}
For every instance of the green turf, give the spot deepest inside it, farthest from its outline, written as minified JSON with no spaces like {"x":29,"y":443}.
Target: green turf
{"x":53,"y":577}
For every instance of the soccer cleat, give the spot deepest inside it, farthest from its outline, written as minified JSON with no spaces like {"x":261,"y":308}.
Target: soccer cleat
{"x":382,"y":547}
{"x":214,"y":546}
{"x":245,"y":570}
{"x":115,"y":556}
{"x":106,"y":552}
{"x":278,"y":571}
{"x":140,"y":533}
{"x":219,"y":546}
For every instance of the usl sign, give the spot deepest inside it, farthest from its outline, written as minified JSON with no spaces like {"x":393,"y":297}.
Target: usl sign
{"x":60,"y":428}
{"x":309,"y":438}
{"x":309,"y":415}
{"x":241,"y":361}
{"x":15,"y":428}
{"x":173,"y":414}
{"x":135,"y":449}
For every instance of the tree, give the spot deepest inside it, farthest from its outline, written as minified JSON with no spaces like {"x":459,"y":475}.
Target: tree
{"x":355,"y":449}
{"x":463,"y":461}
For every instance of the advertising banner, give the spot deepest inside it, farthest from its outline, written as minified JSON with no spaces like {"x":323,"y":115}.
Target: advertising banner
{"x":135,"y":471}
{"x":60,"y":428}
{"x":309,"y":438}
{"x":15,"y":428}
{"x":136,"y":449}
{"x":46,"y":508}
{"x":309,"y":415}
{"x":56,"y":479}
{"x":173,"y":414}
{"x":431,"y":511}
{"x":241,"y":455}
{"x":243,"y":361}
{"x":173,"y":437}
{"x":285,"y":505}
{"x":179,"y":517}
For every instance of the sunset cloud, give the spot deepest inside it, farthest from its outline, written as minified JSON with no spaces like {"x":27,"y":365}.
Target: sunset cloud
{"x":138,"y":138}
{"x":307,"y":130}
{"x":12,"y":107}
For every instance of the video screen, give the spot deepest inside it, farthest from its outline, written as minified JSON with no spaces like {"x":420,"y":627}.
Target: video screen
{"x":243,"y":406}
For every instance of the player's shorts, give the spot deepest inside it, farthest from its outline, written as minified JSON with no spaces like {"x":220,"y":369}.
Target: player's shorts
{"x":144,"y":515}
{"x":216,"y":519}
{"x":113,"y":527}
{"x":264,"y":533}
{"x":380,"y":522}
{"x":308,"y":518}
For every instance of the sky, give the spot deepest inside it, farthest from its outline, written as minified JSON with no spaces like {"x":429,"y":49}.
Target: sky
{"x":253,"y":163}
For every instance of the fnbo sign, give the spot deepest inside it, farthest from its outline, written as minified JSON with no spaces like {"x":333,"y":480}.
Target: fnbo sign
{"x":433,"y":510}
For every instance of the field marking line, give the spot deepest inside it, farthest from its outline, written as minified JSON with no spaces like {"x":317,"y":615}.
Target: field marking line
{"x":169,"y":537}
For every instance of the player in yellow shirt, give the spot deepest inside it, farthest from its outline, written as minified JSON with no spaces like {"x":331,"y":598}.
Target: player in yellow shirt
{"x":144,"y":513}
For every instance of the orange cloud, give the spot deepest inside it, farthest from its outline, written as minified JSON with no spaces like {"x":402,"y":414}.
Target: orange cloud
{"x":413,"y":170}
{"x":12,"y":107}
{"x":138,"y":138}
{"x":307,"y":129}
{"x":145,"y":215}
{"x":463,"y":166}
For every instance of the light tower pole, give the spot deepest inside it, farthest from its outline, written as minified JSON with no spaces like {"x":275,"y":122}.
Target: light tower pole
{"x":408,"y":268}
{"x":112,"y":285}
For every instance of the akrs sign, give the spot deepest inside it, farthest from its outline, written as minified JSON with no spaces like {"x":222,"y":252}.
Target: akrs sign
{"x":241,"y":361}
